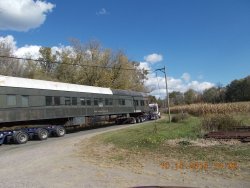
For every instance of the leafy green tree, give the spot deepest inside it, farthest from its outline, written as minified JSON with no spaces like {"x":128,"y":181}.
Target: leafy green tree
{"x":176,"y":98}
{"x":152,"y":99}
{"x":189,"y":96}
{"x":47,"y":62}
{"x":211,"y":95}
{"x":238,"y":90}
{"x":9,"y":66}
{"x":90,"y":64}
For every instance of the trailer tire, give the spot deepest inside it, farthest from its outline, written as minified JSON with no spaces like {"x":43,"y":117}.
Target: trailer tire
{"x":60,"y":131}
{"x":21,"y":137}
{"x":138,"y":120}
{"x":8,"y":140}
{"x":42,"y":134}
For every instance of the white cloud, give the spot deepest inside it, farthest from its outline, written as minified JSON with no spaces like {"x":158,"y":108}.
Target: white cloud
{"x":30,"y":51}
{"x":158,"y":86}
{"x":144,"y":65}
{"x":199,"y":86}
{"x":153,"y":58}
{"x":103,"y":11}
{"x":9,"y":42}
{"x":22,"y":15}
{"x":186,"y":77}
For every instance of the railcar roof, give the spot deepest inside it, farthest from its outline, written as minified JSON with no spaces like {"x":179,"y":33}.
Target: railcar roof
{"x":49,"y":85}
{"x":128,"y":92}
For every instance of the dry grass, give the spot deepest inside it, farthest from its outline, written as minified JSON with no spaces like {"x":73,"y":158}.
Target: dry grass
{"x":204,"y":108}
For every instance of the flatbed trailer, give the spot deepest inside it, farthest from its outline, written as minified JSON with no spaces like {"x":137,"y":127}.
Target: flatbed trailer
{"x":22,"y":135}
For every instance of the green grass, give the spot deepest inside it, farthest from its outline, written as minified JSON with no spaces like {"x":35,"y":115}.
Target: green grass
{"x":145,"y":136}
{"x":244,"y":117}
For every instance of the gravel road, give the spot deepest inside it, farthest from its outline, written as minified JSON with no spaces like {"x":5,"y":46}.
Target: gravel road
{"x":53,"y":163}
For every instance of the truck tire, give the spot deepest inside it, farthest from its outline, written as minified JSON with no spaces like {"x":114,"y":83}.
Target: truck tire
{"x":42,"y":134}
{"x":60,"y":131}
{"x":21,"y":137}
{"x":133,"y":120}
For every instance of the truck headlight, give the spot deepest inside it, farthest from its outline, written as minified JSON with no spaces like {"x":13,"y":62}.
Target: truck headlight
{"x":1,"y":135}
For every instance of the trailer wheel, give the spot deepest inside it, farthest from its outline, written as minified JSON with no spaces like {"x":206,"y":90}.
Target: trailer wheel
{"x":8,"y":140}
{"x":42,"y":134}
{"x":60,"y":131}
{"x":138,"y":120}
{"x":21,"y":137}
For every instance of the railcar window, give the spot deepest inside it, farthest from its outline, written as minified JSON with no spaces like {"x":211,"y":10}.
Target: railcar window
{"x":83,"y":101}
{"x":136,"y":102}
{"x":67,"y":101}
{"x":88,"y":101}
{"x":108,"y":102}
{"x":57,"y":101}
{"x":11,"y":100}
{"x":74,"y":101}
{"x":100,"y":102}
{"x":49,"y":100}
{"x":111,"y":102}
{"x":95,"y":101}
{"x":142,"y":103}
{"x":122,"y":102}
{"x":24,"y":101}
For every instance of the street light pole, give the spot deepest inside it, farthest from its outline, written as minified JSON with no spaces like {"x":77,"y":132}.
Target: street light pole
{"x":167,"y":94}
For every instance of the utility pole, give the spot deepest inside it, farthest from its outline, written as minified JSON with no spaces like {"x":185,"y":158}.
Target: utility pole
{"x":167,"y":94}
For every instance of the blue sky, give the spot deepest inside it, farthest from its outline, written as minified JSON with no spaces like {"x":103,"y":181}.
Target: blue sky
{"x":208,"y":40}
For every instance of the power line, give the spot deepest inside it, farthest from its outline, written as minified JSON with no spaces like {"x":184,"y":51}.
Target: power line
{"x":71,"y":64}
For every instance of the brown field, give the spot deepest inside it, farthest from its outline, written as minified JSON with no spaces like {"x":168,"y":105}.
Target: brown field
{"x":204,"y":108}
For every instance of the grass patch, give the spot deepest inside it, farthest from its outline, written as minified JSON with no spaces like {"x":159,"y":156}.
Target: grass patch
{"x":143,"y":136}
{"x":220,"y":122}
{"x":243,"y":117}
{"x":175,"y":143}
{"x":179,"y":117}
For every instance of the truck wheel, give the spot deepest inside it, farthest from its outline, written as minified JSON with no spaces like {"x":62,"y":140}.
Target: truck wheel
{"x":21,"y":138}
{"x":42,"y":134}
{"x":60,"y":131}
{"x":133,"y":120}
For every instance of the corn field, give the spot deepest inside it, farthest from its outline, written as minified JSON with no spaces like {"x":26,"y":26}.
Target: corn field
{"x":205,"y":108}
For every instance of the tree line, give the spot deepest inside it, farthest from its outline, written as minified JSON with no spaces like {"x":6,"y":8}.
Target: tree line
{"x":237,"y":90}
{"x":85,"y":64}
